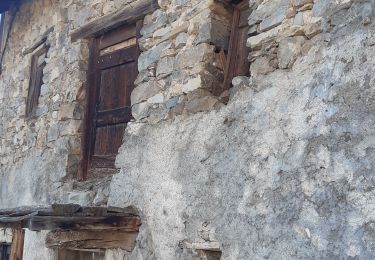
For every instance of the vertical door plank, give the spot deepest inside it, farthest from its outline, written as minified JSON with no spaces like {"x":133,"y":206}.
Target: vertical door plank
{"x":237,"y":62}
{"x":17,"y":244}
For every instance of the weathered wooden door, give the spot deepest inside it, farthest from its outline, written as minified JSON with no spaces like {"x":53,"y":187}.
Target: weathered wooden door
{"x":237,"y":61}
{"x":113,"y":70}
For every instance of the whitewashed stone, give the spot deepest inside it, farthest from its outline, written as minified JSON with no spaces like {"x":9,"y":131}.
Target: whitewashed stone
{"x":273,"y":20}
{"x":298,"y":19}
{"x":165,"y":66}
{"x":156,"y":99}
{"x":147,"y":58}
{"x":181,"y":40}
{"x":289,"y":49}
{"x":192,"y":84}
{"x":144,"y":91}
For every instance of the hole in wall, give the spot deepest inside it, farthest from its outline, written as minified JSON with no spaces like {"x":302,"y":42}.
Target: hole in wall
{"x":209,"y":255}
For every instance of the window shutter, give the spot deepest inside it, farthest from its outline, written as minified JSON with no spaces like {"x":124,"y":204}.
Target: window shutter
{"x":113,"y":70}
{"x":237,"y":61}
{"x":36,"y":80}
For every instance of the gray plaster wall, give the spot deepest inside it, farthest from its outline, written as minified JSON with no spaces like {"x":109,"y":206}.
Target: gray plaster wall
{"x":284,"y":171}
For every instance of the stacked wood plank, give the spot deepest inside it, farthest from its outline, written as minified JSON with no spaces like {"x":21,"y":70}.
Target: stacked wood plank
{"x":76,"y":227}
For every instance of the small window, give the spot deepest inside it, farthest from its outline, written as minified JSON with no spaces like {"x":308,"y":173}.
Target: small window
{"x":237,"y":63}
{"x":36,"y":80}
{"x":5,"y":250}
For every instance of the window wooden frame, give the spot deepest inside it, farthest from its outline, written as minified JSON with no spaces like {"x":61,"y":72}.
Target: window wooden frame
{"x":93,"y":118}
{"x":237,"y":63}
{"x":2,"y":31}
{"x":38,"y":64}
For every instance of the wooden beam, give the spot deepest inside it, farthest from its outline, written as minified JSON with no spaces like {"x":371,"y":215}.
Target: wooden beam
{"x":37,"y":223}
{"x":38,"y":42}
{"x":20,"y":211}
{"x":71,"y":216}
{"x":91,"y":239}
{"x":129,"y":14}
{"x":64,"y":209}
{"x":16,"y":252}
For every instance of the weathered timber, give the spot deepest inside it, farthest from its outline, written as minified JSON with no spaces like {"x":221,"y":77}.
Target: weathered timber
{"x":91,"y":239}
{"x":17,"y":244}
{"x":63,"y":209}
{"x":38,"y":42}
{"x":70,"y":216}
{"x":127,"y":210}
{"x":129,"y":14}
{"x":21,"y":211}
{"x":37,"y":223}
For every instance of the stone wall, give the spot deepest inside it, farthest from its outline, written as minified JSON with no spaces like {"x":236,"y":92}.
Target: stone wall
{"x":178,"y":67}
{"x":285,"y":170}
{"x":282,"y":171}
{"x":5,"y":236}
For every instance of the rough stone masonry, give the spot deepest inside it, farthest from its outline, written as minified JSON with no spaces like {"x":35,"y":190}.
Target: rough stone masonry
{"x":283,"y":170}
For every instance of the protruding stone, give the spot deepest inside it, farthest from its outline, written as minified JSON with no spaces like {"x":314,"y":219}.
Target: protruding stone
{"x":192,"y":84}
{"x":192,"y":56}
{"x":299,"y":3}
{"x":261,"y":66}
{"x":272,"y":21}
{"x":165,"y":66}
{"x":147,"y":58}
{"x":52,"y":133}
{"x":156,"y":99}
{"x":313,"y":29}
{"x":181,"y":40}
{"x":141,"y":110}
{"x":289,"y":49}
{"x":144,"y":91}
{"x":298,"y":19}
{"x":200,"y":100}
{"x":70,"y":111}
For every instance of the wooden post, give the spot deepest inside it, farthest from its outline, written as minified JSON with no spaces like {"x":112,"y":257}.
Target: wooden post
{"x":17,"y":244}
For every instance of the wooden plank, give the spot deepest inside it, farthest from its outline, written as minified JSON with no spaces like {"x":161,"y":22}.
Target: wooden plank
{"x":38,"y":42}
{"x":119,"y":57}
{"x":128,"y":210}
{"x":17,"y":244}
{"x":25,"y":210}
{"x":115,"y":135}
{"x":104,"y":161}
{"x":11,"y":219}
{"x":116,"y":116}
{"x":128,"y":15}
{"x":37,"y":223}
{"x":92,"y":239}
{"x":101,"y":134}
{"x":237,"y":64}
{"x":119,"y":46}
{"x":64,"y":209}
{"x":116,"y":36}
{"x":88,"y":136}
